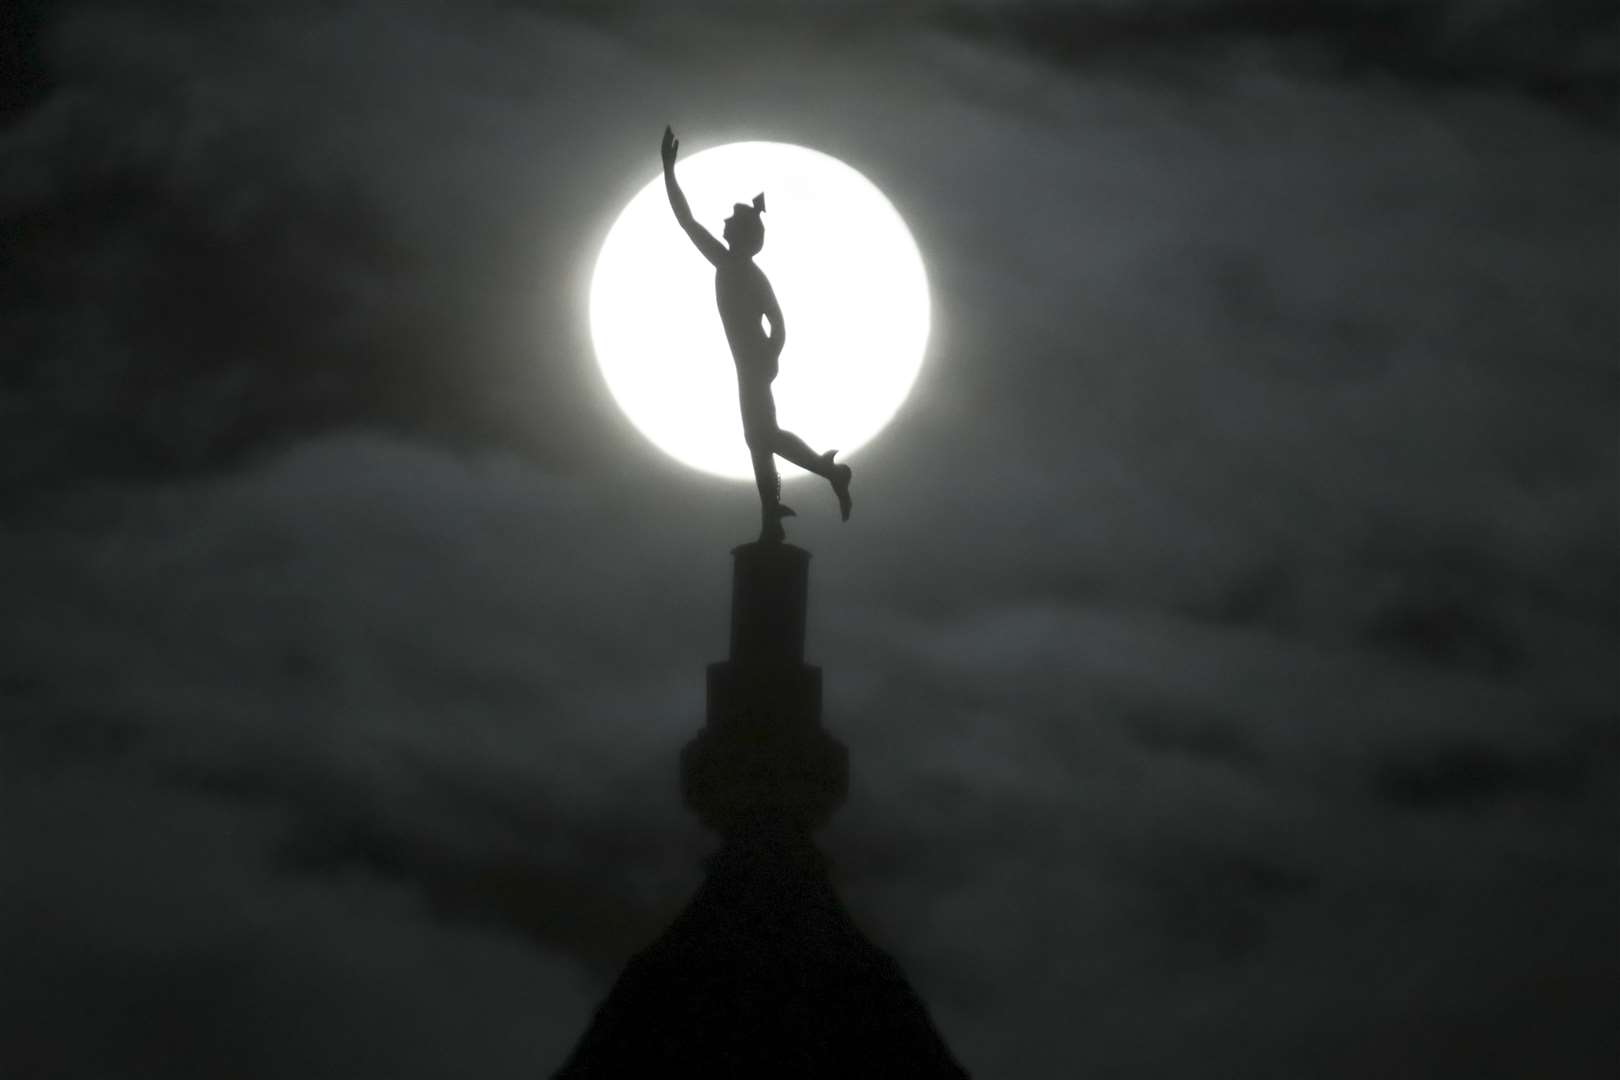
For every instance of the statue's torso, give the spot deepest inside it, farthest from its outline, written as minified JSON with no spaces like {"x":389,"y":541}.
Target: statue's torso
{"x":741,"y":290}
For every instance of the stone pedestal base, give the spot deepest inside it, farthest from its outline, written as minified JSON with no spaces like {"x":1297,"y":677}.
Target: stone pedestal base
{"x":763,"y":760}
{"x":754,"y":766}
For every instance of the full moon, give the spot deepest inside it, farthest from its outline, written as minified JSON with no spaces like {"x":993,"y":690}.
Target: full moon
{"x":845,"y":269}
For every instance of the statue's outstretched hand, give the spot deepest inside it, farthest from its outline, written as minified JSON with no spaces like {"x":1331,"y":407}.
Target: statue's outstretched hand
{"x":712,"y":249}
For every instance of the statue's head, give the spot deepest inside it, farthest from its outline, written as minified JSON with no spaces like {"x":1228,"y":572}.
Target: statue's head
{"x":745,"y":232}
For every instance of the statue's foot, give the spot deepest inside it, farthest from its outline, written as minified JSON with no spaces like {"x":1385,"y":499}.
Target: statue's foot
{"x":839,"y":476}
{"x":770,"y":528}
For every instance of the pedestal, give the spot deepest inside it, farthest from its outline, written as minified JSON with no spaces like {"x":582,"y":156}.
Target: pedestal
{"x":763,"y":762}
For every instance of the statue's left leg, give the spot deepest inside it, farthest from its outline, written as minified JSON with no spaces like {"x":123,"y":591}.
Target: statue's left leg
{"x":796,"y":450}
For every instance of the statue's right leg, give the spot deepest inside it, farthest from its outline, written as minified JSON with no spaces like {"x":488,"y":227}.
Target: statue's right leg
{"x":769,"y":482}
{"x":766,"y":477}
{"x":759,"y":429}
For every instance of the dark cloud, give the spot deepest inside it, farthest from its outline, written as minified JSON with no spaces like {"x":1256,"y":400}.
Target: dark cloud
{"x":143,"y":933}
{"x":1213,"y":738}
{"x":1215,"y":905}
{"x":1561,"y":53}
{"x":1221,"y":640}
{"x":1465,"y":775}
{"x":23,"y":78}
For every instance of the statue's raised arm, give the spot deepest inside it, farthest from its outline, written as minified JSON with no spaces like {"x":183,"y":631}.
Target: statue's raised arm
{"x":711,"y":248}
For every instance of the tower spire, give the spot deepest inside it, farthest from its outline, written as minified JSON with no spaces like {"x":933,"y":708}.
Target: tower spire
{"x":764,"y":973}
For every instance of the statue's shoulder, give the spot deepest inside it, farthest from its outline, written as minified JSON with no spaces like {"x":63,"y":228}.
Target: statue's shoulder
{"x":742,"y":276}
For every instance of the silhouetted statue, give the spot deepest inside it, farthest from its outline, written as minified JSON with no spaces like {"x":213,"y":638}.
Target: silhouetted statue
{"x":744,"y":295}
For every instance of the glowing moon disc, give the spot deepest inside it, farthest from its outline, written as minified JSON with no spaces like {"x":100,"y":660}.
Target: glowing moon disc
{"x":845,"y":269}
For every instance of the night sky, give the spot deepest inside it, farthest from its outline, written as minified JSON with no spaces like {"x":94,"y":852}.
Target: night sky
{"x":1225,"y":636}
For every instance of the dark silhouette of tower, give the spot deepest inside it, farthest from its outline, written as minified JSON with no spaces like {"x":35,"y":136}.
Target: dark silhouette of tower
{"x":764,"y":974}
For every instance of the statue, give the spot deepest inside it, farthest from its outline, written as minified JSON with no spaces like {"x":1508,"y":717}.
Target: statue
{"x":744,"y":296}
